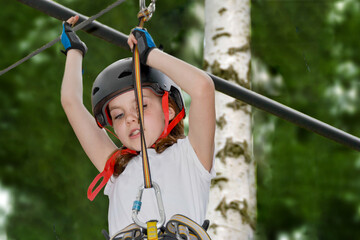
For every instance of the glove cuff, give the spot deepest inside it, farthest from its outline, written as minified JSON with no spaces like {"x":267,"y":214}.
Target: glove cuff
{"x":82,"y":47}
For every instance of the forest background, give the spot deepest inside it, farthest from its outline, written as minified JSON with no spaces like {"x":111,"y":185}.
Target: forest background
{"x":304,"y":55}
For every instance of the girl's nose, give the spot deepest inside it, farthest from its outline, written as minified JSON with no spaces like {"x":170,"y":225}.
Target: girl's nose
{"x":132,"y":116}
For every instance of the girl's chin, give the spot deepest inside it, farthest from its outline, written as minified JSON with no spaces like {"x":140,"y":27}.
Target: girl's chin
{"x":137,"y":146}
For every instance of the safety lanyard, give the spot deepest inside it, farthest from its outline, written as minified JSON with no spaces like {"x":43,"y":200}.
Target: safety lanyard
{"x":153,"y":225}
{"x":139,"y":100}
{"x":144,"y":15}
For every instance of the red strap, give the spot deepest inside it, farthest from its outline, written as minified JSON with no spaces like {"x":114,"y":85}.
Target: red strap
{"x":99,"y":124}
{"x":165,"y":106}
{"x":168,"y":127}
{"x":176,"y":120}
{"x":105,"y":174}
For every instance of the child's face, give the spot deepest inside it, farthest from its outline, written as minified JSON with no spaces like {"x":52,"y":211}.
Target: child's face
{"x":124,"y":114}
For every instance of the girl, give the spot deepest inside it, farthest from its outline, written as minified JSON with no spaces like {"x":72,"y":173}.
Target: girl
{"x":181,"y":166}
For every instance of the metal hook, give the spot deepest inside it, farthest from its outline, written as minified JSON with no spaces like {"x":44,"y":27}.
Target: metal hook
{"x":137,"y":207}
{"x":146,"y":12}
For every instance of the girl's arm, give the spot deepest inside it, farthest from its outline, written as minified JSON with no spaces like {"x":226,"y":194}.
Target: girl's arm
{"x":193,"y":81}
{"x":201,"y":89}
{"x":95,"y":141}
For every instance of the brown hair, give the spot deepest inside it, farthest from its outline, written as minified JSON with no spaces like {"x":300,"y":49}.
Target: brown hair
{"x":176,"y":133}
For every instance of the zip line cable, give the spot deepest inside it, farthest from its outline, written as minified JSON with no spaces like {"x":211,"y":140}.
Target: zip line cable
{"x":51,"y":43}
{"x":60,"y":12}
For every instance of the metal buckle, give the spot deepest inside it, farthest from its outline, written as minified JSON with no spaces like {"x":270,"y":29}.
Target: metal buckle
{"x":137,"y":206}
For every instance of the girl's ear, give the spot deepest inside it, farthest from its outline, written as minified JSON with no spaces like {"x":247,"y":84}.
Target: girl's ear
{"x":171,"y":113}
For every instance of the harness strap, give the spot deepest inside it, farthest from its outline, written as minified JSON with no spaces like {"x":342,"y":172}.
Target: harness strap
{"x":184,"y":226}
{"x":106,"y":173}
{"x":178,"y":227}
{"x":152,"y":233}
{"x":131,"y":232}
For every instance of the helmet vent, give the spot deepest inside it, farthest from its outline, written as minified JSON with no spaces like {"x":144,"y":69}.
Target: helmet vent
{"x":125,"y":74}
{"x":95,"y":90}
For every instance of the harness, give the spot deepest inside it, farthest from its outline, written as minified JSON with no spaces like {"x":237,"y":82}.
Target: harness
{"x":178,"y":227}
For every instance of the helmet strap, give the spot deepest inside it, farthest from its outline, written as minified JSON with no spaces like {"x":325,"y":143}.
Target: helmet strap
{"x":169,"y":126}
{"x":109,"y":131}
{"x":165,"y":106}
{"x":176,"y":120}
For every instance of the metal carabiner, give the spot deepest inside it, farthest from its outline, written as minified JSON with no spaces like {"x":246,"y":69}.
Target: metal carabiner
{"x":146,"y":12}
{"x":142,"y":5}
{"x":137,"y":206}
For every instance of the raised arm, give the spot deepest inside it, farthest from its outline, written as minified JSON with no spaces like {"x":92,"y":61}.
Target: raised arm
{"x":95,"y":142}
{"x":201,"y":89}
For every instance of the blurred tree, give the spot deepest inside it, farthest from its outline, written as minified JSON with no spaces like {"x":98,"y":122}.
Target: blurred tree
{"x":232,"y":206}
{"x":311,"y":65}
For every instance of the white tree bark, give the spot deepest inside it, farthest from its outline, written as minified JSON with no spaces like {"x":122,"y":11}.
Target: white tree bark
{"x":232,"y":206}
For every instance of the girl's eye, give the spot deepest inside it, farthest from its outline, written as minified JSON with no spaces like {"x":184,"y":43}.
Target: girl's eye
{"x":144,"y":106}
{"x":119,"y":116}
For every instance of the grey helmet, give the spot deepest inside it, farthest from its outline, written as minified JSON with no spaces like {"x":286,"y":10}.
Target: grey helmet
{"x":117,"y":78}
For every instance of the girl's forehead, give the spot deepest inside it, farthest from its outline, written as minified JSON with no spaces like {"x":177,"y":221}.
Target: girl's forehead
{"x":129,"y":97}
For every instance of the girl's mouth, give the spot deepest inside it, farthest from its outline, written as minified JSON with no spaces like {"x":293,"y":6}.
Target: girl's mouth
{"x":134,"y":133}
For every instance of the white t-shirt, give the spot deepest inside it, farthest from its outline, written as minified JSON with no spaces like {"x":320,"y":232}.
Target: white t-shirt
{"x":183,"y":181}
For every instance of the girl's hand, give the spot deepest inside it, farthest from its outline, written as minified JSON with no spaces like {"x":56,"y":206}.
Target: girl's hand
{"x":144,"y":42}
{"x":131,"y":41}
{"x":69,"y":39}
{"x":73,"y":20}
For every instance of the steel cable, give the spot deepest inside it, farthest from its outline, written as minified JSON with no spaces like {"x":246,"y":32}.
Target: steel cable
{"x":51,"y":43}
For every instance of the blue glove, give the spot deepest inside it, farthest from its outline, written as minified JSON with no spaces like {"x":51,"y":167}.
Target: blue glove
{"x":70,"y":40}
{"x":145,"y":43}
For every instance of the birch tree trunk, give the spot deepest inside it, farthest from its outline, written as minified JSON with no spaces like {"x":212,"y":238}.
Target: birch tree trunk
{"x":232,"y":206}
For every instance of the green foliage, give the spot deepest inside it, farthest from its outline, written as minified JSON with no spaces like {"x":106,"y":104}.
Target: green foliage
{"x":308,"y":186}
